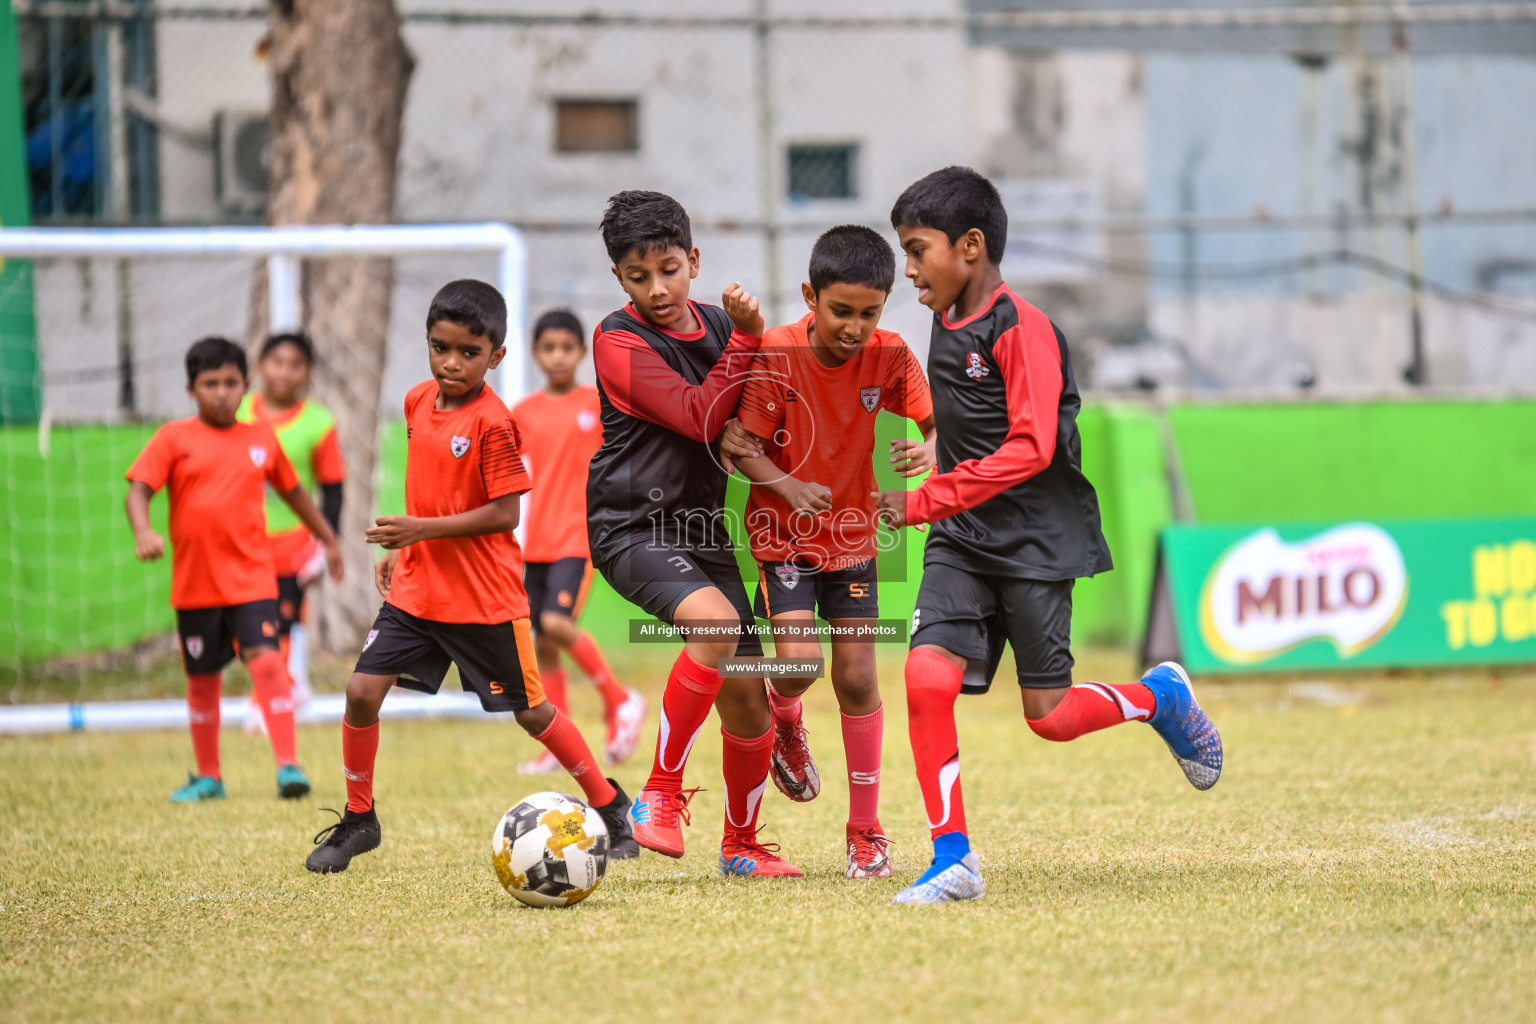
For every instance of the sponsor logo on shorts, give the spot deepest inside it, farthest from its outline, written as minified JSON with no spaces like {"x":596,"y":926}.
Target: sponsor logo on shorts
{"x":681,"y":563}
{"x":195,"y":646}
{"x":565,"y":600}
{"x":373,"y":635}
{"x":586,"y":420}
{"x":286,"y":609}
{"x":258,"y":455}
{"x":789,"y":576}
{"x":975,"y":368}
{"x":459,"y":445}
{"x":269,"y":629}
{"x":869,"y":398}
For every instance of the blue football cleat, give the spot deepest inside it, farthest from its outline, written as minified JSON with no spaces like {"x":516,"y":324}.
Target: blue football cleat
{"x":198,"y":789}
{"x":961,"y":880}
{"x":291,"y":783}
{"x":1190,"y":736}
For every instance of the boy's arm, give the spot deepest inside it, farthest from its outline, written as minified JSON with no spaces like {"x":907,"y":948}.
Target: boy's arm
{"x":303,"y":506}
{"x":800,"y":496}
{"x":330,"y":472}
{"x":499,"y":515}
{"x":147,"y":544}
{"x":915,"y":458}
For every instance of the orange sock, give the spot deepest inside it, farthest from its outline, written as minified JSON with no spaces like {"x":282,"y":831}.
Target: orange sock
{"x":1089,"y":707}
{"x":359,"y":749}
{"x":565,"y":741}
{"x":745,"y":765}
{"x":554,"y":687}
{"x":933,"y":683}
{"x":590,"y":657}
{"x":203,"y":713}
{"x":274,"y":692}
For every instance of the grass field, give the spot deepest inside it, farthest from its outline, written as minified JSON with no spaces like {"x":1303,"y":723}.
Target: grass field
{"x":1368,"y":855}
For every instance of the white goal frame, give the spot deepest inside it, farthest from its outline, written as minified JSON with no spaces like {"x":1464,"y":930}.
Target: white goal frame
{"x":283,"y":247}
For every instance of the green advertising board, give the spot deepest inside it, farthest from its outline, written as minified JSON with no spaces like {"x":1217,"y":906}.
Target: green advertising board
{"x":1382,"y":594}
{"x":20,"y":399}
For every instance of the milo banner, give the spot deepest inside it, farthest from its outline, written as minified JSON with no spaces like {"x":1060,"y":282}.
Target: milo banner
{"x":1345,"y":595}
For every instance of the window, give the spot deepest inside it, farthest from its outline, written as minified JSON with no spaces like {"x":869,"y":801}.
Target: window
{"x":823,"y":172}
{"x":597,"y":126}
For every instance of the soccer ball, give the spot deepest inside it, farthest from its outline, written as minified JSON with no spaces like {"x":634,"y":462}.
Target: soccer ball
{"x":550,"y":850}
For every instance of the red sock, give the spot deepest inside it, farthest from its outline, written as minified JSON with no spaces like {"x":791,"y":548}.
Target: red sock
{"x":274,"y":692}
{"x":1089,"y":707}
{"x":685,"y":704}
{"x":862,"y":737}
{"x":359,"y":748}
{"x":745,"y":764}
{"x":785,"y":709}
{"x":203,"y":713}
{"x":933,"y":683}
{"x":590,"y":657}
{"x":284,"y":646}
{"x":554,"y":688}
{"x":565,"y":741}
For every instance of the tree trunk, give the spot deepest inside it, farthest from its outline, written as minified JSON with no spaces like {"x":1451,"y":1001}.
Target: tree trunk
{"x":340,"y":70}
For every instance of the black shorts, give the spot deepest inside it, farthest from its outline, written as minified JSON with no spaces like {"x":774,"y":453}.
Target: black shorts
{"x":975,"y":615}
{"x":851,"y":593}
{"x":211,"y":637}
{"x":559,"y":586}
{"x":290,"y":604}
{"x":657,"y":577}
{"x":496,"y":661}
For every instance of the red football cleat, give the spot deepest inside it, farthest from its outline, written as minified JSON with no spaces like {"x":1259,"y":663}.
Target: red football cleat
{"x":655,"y":816}
{"x":794,"y":771}
{"x":868,"y":853}
{"x":743,"y":856}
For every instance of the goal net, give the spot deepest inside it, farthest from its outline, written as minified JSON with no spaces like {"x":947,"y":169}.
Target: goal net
{"x":94,"y":325}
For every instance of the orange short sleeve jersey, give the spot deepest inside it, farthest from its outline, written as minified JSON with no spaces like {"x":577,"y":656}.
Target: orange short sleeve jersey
{"x":458,"y":460}
{"x":215,"y":478}
{"x":818,"y":424}
{"x":560,"y":435}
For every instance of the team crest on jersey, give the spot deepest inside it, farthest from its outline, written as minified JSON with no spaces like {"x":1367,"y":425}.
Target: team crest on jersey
{"x":975,"y":368}
{"x":373,"y":635}
{"x":869,"y":398}
{"x":195,"y":646}
{"x":258,"y":455}
{"x":459,"y":445}
{"x":586,"y":419}
{"x":789,"y":576}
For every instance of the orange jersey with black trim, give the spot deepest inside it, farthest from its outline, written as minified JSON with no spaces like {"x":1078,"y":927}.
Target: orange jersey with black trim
{"x":818,"y":425}
{"x":458,"y":460}
{"x":560,"y":435}
{"x":215,"y":479}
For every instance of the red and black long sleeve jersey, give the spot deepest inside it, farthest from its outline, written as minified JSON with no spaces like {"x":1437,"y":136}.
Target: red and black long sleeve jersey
{"x":665,"y":398}
{"x":1010,"y":498}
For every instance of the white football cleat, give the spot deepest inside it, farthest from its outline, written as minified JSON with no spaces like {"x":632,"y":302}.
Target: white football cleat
{"x":957,"y":882}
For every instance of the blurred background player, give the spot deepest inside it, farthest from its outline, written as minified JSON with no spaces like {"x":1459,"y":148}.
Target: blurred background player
{"x":216,"y":470}
{"x":561,"y":427}
{"x":307,"y":432}
{"x":453,"y":554}
{"x":1015,"y":523}
{"x":816,"y":388}
{"x":669,"y":371}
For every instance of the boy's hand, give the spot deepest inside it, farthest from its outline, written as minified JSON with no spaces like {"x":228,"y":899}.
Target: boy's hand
{"x":743,"y":310}
{"x":333,"y":564}
{"x":392,"y":532}
{"x":890,"y":508}
{"x":912,"y":458}
{"x":809,"y":498}
{"x":148,"y":545}
{"x":737,"y":442}
{"x":384,"y":572}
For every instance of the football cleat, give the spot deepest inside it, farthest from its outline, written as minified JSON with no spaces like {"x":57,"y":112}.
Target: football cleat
{"x":291,"y":783}
{"x":794,"y":770}
{"x":746,"y":856}
{"x":868,"y":853}
{"x":544,"y":764}
{"x":960,"y":880}
{"x":1190,"y":736}
{"x":621,"y":835}
{"x":655,"y":816}
{"x":624,"y":728}
{"x":335,"y":846}
{"x":198,"y":789}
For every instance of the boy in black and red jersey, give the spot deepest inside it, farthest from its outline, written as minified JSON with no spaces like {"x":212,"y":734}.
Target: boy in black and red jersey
{"x":669,"y":373}
{"x":1015,"y":523}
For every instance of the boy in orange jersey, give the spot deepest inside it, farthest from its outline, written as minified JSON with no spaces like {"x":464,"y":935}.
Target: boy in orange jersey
{"x":562,"y":429}
{"x":452,"y":577}
{"x":223,"y":586}
{"x":811,"y":403}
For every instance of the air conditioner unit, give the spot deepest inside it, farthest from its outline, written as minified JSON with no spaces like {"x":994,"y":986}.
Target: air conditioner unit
{"x":242,"y":161}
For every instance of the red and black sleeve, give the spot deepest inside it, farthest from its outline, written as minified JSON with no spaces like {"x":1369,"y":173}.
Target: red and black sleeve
{"x":639,"y":383}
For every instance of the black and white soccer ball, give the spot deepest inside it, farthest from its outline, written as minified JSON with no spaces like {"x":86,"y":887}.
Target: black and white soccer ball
{"x":551,"y":850}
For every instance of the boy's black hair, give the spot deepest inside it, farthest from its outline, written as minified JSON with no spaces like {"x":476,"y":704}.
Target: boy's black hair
{"x":954,"y":200}
{"x":473,"y":305}
{"x":558,"y":320}
{"x":210,"y":354}
{"x":642,"y":221}
{"x":298,"y":339}
{"x":852,"y":254}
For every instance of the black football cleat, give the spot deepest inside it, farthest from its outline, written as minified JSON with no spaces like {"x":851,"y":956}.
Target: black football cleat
{"x":621,"y":834}
{"x":336,"y":846}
